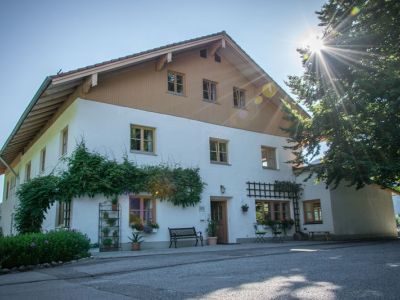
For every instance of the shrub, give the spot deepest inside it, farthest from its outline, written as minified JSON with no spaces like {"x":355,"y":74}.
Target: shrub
{"x":37,"y":248}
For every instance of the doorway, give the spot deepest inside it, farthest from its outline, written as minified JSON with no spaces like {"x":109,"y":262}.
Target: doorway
{"x":219,"y":214}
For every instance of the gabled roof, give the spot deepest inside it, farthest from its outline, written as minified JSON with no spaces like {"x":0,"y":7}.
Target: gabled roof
{"x":56,"y":89}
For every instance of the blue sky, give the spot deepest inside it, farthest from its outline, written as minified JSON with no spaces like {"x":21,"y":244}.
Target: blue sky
{"x":38,"y":38}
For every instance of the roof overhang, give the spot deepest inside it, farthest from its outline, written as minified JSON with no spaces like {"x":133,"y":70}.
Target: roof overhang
{"x":56,"y":90}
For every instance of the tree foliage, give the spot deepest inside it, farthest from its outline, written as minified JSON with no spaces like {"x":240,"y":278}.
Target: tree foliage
{"x":352,"y":90}
{"x":92,"y":174}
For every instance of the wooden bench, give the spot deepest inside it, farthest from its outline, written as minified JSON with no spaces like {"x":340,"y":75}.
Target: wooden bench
{"x":325,"y":234}
{"x":176,"y":234}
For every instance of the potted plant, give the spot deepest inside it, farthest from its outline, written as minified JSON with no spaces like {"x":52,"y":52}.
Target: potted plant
{"x":137,"y":227}
{"x":105,"y":231}
{"x":155,"y":227}
{"x":212,"y":232}
{"x":136,"y":240}
{"x":105,"y":215}
{"x":287,"y":225}
{"x":107,"y":243}
{"x":245,"y":207}
{"x":111,"y":222}
{"x":115,"y":234}
{"x":114,"y":203}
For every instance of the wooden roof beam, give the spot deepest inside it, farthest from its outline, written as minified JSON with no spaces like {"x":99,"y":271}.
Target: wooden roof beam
{"x":216,"y":46}
{"x":90,"y":81}
{"x":163,"y":60}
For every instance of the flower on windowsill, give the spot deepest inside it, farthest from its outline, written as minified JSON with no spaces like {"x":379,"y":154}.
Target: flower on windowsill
{"x":137,"y":226}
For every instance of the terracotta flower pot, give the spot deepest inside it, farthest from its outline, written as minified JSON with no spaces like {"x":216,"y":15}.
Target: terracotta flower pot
{"x":114,"y":207}
{"x":212,"y":240}
{"x":135,"y":246}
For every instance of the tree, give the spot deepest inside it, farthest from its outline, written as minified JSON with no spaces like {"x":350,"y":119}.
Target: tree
{"x":351,"y":87}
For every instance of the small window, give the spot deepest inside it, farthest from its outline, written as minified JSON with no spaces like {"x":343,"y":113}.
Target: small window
{"x":63,"y":214}
{"x":175,"y":83}
{"x":203,"y":53}
{"x":218,"y":151}
{"x":268,"y":157}
{"x":28,"y":171}
{"x":7,"y":189}
{"x":272,"y":210}
{"x":217,"y":58}
{"x":64,"y":141}
{"x":312,"y":212}
{"x":142,"y":139}
{"x":209,"y":90}
{"x":43,"y":160}
{"x":142,"y":210}
{"x":239,"y":98}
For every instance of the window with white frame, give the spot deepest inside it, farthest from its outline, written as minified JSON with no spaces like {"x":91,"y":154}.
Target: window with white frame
{"x":218,"y":150}
{"x":64,"y":141}
{"x":239,"y":100}
{"x":175,"y":82}
{"x":209,"y":90}
{"x":142,"y":139}
{"x":42,"y":160}
{"x":7,"y":189}
{"x":312,"y":212}
{"x":28,"y":171}
{"x":272,"y":210}
{"x":63,"y":216}
{"x":268,"y":157}
{"x":142,"y":210}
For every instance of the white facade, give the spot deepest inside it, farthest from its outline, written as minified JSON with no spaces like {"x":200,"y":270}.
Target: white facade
{"x":106,"y":129}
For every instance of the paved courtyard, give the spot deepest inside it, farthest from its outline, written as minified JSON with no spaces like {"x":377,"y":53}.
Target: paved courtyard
{"x":291,"y":270}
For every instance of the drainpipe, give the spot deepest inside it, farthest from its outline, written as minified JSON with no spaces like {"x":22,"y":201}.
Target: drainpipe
{"x":8,"y":166}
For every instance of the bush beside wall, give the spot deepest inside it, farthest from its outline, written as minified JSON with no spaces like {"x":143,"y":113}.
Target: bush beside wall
{"x":38,"y":248}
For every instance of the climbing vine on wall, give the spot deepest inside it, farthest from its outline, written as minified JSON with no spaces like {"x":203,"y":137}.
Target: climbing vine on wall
{"x":92,"y":174}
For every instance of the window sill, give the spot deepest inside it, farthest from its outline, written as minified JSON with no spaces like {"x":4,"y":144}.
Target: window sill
{"x":220,"y":163}
{"x":212,"y":102}
{"x":271,"y":169}
{"x":176,"y":94}
{"x":143,"y":152}
{"x":240,"y":108}
{"x":313,"y":223}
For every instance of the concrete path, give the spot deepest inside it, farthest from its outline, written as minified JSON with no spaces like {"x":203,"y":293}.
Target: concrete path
{"x":295,"y":270}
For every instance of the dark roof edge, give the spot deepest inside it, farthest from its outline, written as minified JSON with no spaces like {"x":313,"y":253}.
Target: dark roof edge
{"x":35,"y":98}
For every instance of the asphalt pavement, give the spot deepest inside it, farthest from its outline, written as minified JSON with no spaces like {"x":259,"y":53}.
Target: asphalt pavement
{"x":289,"y":270}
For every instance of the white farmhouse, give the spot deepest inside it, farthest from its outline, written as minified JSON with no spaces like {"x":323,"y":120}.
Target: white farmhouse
{"x":199,"y":103}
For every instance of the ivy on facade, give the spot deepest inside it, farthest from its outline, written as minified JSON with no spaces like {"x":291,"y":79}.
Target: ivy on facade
{"x":90,"y":174}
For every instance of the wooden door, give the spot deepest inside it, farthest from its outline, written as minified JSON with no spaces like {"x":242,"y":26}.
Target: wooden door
{"x":219,"y":214}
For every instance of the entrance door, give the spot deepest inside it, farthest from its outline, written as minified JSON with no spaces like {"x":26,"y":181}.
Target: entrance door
{"x":219,"y":214}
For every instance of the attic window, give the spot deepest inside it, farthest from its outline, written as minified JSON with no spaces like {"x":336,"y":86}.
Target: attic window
{"x":217,"y":58}
{"x":203,"y":53}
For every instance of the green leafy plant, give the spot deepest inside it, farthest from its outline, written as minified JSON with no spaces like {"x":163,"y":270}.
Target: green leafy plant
{"x":136,"y":238}
{"x":212,"y":228}
{"x":245,"y":207}
{"x":287,"y":225}
{"x":115,"y":233}
{"x":107,"y":242}
{"x":105,"y":231}
{"x":111,"y":222}
{"x":105,"y":215}
{"x":137,"y":226}
{"x":92,"y":174}
{"x":154,"y":225}
{"x":38,"y":248}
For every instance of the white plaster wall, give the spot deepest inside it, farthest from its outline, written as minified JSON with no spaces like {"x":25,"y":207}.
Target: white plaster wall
{"x":106,"y":129}
{"x":366,"y":212}
{"x":51,"y":140}
{"x":314,"y":190}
